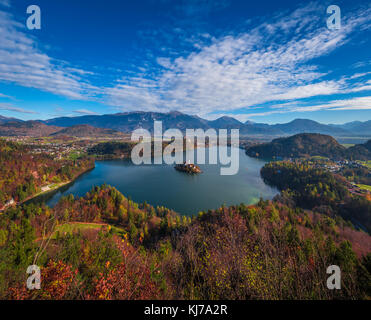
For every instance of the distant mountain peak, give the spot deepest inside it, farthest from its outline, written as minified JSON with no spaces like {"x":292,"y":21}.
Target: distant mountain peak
{"x":27,"y":128}
{"x":4,"y":119}
{"x":129,"y":121}
{"x":175,"y":113}
{"x":85,"y":130}
{"x":227,"y":119}
{"x":300,"y":120}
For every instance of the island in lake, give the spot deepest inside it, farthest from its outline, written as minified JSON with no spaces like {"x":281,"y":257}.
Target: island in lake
{"x":188,"y":168}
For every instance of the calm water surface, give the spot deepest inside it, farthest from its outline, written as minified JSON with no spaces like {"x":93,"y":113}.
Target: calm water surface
{"x":163,"y":185}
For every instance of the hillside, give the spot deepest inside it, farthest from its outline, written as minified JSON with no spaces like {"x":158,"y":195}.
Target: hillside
{"x":360,"y":151}
{"x":6,"y":119}
{"x":23,"y":173}
{"x":362,"y":128}
{"x":127,"y":122}
{"x":27,"y":128}
{"x":367,"y":145}
{"x":85,"y":130}
{"x":111,"y":150}
{"x":300,"y":145}
{"x":105,"y":246}
{"x":318,"y":190}
{"x":40,"y":129}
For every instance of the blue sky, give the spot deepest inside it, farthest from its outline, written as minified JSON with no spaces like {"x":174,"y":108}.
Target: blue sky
{"x":265,"y":61}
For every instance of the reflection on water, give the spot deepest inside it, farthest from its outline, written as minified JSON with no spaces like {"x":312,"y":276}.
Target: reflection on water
{"x":163,"y":185}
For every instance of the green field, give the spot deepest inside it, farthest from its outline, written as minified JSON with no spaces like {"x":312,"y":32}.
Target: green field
{"x":74,"y":155}
{"x":364,"y":187}
{"x":318,"y":158}
{"x":348,"y":145}
{"x":367,"y":164}
{"x":70,"y":228}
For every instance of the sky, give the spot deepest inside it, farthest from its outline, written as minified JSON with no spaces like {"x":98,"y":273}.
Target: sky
{"x":263,"y":61}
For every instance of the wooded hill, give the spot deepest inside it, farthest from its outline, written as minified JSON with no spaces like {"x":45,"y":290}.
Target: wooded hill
{"x":23,"y":173}
{"x":39,"y":129}
{"x":316,"y":189}
{"x":309,"y":145}
{"x":104,"y":246}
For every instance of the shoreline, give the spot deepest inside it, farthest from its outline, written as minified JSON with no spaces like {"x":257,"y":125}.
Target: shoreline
{"x":43,"y":193}
{"x":49,"y":194}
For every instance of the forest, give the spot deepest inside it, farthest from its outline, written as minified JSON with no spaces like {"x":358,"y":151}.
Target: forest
{"x":23,"y":173}
{"x":313,"y":188}
{"x":305,"y":145}
{"x":359,"y":175}
{"x":105,"y":246}
{"x":111,"y":150}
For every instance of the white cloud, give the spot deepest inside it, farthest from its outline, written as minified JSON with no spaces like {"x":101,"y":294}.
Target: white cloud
{"x":310,"y":90}
{"x":268,"y":63}
{"x":359,"y":103}
{"x":21,"y":62}
{"x":8,"y":107}
{"x":360,"y":75}
{"x":5,"y":96}
{"x":85,"y":112}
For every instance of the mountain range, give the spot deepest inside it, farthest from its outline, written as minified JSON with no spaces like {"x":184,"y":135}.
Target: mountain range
{"x":40,"y":129}
{"x":129,"y":121}
{"x":27,"y":128}
{"x":6,"y":119}
{"x":85,"y":130}
{"x":356,"y":126}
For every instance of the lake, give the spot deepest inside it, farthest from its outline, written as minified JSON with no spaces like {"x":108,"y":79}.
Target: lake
{"x":164,"y":186}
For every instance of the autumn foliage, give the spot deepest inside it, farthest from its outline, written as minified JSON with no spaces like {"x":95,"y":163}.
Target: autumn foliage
{"x":125,"y":250}
{"x":57,"y":279}
{"x":23,"y":173}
